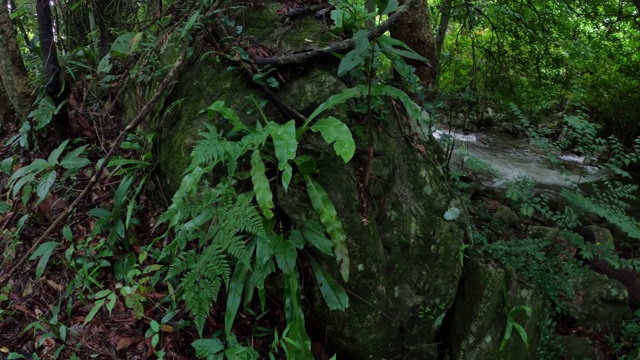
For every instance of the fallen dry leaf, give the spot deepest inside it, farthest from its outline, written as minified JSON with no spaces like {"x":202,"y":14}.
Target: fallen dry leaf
{"x":125,"y":342}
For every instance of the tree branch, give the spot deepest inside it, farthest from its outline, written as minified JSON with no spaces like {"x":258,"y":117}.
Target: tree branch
{"x":299,"y":58}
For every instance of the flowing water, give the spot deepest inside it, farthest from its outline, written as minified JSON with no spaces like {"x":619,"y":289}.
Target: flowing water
{"x":514,"y":158}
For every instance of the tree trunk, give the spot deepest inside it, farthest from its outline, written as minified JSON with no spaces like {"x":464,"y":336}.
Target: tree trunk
{"x":13,"y":74}
{"x":51,"y":67}
{"x":445,"y":16}
{"x":7,"y":114}
{"x":415,"y":30}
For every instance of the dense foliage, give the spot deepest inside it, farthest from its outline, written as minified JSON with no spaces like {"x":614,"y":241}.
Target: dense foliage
{"x":564,"y":71}
{"x":547,"y":57}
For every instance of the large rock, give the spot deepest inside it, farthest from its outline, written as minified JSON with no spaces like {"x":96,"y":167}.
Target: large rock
{"x":477,"y":321}
{"x":404,"y":253}
{"x":599,"y":303}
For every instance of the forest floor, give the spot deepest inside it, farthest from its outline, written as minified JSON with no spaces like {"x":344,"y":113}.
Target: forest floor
{"x":46,"y":317}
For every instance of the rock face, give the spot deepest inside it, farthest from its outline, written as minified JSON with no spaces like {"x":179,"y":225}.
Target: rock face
{"x":478,"y":320}
{"x":599,"y":302}
{"x":405,"y":256}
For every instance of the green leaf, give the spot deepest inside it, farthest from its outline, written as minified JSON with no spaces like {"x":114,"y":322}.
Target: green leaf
{"x":191,"y":22}
{"x":297,"y":335}
{"x":72,"y":161}
{"x":6,"y":165}
{"x":296,"y":238}
{"x":337,"y":16}
{"x":523,"y":334}
{"x":387,"y":43}
{"x":284,"y":143}
{"x":36,"y":166}
{"x":55,"y":154}
{"x":112,"y":302}
{"x":43,"y":252}
{"x":287,"y":174}
{"x":357,"y":56}
{"x":154,"y":325}
{"x":306,"y":164}
{"x":45,"y":184}
{"x":94,"y":310}
{"x":337,"y":133}
{"x":63,"y":332}
{"x":413,"y":110}
{"x":66,"y":233}
{"x":286,"y":255}
{"x":104,"y":67}
{"x":99,"y":213}
{"x":125,"y":44}
{"x":20,"y":183}
{"x":4,"y":207}
{"x":234,"y":295}
{"x":207,"y":347}
{"x":328,"y":217}
{"x":261,"y":186}
{"x":333,"y":294}
{"x":314,"y":234}
{"x":227,"y":113}
{"x":44,"y":113}
{"x":387,"y":7}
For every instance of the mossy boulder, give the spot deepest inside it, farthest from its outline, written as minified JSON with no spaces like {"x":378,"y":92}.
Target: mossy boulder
{"x":599,"y":303}
{"x":405,"y":256}
{"x":476,"y":325}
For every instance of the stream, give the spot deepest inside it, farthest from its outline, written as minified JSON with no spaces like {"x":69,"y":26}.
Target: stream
{"x":513,"y":158}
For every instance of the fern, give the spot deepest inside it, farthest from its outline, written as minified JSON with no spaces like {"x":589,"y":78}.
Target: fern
{"x":216,"y":225}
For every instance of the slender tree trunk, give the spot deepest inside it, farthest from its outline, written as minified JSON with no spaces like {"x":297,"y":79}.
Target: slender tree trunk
{"x":7,"y":115}
{"x":445,"y":16}
{"x":13,"y":74}
{"x":19,"y":26}
{"x":51,"y":67}
{"x":415,"y":30}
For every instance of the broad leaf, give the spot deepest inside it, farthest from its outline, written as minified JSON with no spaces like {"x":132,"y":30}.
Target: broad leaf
{"x":36,"y":166}
{"x":286,"y":255}
{"x":234,"y":295}
{"x":298,"y":343}
{"x":45,"y":184}
{"x":413,"y":110}
{"x":92,"y":313}
{"x":55,"y":154}
{"x":207,"y":347}
{"x":357,"y":56}
{"x":284,"y":142}
{"x":43,"y":252}
{"x":261,"y":187}
{"x":337,"y":133}
{"x":333,"y":294}
{"x":104,"y":67}
{"x":314,"y":234}
{"x":388,"y":43}
{"x":328,"y":217}
{"x":125,"y":44}
{"x":72,"y":161}
{"x":227,"y":113}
